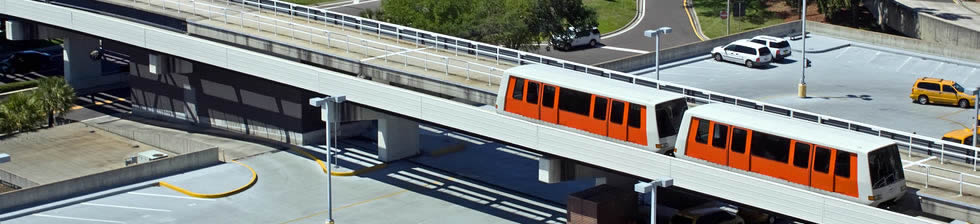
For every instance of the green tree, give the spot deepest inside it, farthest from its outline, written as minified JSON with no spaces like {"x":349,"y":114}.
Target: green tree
{"x":831,"y":8}
{"x":55,"y":97}
{"x":555,"y":16}
{"x":20,"y":112}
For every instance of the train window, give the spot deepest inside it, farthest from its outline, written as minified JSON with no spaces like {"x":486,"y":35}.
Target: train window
{"x":821,"y":159}
{"x":721,"y":136}
{"x":633,"y":118}
{"x":599,"y":110}
{"x":770,"y":147}
{"x":842,"y":166}
{"x":738,"y":139}
{"x":532,"y":92}
{"x":801,"y":155}
{"x":669,"y":116}
{"x":518,"y":89}
{"x":702,"y":135}
{"x":617,"y":112}
{"x":574,"y":101}
{"x":548,"y":99}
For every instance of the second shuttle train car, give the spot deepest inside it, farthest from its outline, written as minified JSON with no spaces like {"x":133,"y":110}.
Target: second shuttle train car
{"x":823,"y":159}
{"x":602,"y":107}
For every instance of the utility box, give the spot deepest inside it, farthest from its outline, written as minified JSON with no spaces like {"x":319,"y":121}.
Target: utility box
{"x":146,"y":156}
{"x":602,"y":204}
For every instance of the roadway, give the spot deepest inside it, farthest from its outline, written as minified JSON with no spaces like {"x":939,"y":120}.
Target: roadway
{"x":624,"y":43}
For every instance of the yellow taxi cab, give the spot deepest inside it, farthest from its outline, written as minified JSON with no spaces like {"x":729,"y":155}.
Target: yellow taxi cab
{"x":962,"y":136}
{"x":939,"y":91}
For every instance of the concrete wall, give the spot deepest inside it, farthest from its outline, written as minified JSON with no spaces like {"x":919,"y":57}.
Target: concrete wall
{"x":894,"y":41}
{"x":923,"y":24}
{"x":637,"y":62}
{"x":38,"y":195}
{"x":203,"y":95}
{"x":348,"y":66}
{"x":16,"y":180}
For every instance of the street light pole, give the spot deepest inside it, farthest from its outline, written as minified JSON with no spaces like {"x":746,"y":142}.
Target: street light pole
{"x":801,"y":90}
{"x":976,"y":113}
{"x":327,"y":105}
{"x":728,"y":17}
{"x":656,"y":35}
{"x":652,"y":189}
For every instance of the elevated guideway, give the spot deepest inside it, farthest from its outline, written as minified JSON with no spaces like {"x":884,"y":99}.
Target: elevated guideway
{"x":721,"y":183}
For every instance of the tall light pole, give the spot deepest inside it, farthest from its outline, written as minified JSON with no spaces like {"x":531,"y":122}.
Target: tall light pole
{"x":728,"y":17}
{"x":974,"y":123}
{"x":652,"y":189}
{"x":656,"y":35}
{"x":327,"y":105}
{"x":801,"y":90}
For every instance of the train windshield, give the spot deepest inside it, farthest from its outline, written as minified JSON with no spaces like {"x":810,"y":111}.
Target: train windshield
{"x":886,"y":166}
{"x":669,"y":116}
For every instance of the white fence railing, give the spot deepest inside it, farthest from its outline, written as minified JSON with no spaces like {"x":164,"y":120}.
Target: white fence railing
{"x":502,"y":56}
{"x":930,"y":176}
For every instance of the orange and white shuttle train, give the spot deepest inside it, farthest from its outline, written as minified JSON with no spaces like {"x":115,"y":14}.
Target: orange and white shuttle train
{"x":823,"y":159}
{"x":862,"y":168}
{"x":604,"y":108}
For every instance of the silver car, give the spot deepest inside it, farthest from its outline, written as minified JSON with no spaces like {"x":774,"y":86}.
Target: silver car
{"x":743,"y":52}
{"x":575,"y":37}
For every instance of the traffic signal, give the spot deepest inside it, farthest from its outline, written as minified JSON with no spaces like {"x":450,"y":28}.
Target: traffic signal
{"x":808,"y":63}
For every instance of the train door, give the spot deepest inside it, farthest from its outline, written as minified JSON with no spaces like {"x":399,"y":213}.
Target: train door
{"x":845,"y":173}
{"x":821,"y":173}
{"x":549,"y":112}
{"x":515,"y":96}
{"x":737,"y":156}
{"x":719,"y":143}
{"x":798,"y":172}
{"x":600,"y":109}
{"x":532,"y":98}
{"x":617,"y":128}
{"x":636,"y":120}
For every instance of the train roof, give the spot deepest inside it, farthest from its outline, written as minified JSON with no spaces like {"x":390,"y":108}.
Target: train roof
{"x":788,"y":127}
{"x":589,"y":83}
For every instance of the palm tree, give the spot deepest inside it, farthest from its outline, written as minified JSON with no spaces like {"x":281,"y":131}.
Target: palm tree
{"x":20,"y":112}
{"x":55,"y":97}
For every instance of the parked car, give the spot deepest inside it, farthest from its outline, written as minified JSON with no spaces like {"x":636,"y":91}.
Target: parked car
{"x":24,"y":61}
{"x":743,"y":52}
{"x":779,"y":47}
{"x":714,"y":213}
{"x":575,"y":37}
{"x":941,"y":91}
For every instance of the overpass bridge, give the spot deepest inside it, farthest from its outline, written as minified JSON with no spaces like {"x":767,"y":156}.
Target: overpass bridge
{"x":457,"y":59}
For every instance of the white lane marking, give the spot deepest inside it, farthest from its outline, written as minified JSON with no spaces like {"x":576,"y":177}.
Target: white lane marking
{"x":394,"y":53}
{"x":642,"y":11}
{"x":74,"y":218}
{"x":169,"y":196}
{"x":345,"y":5}
{"x":625,"y":49}
{"x":127,"y":207}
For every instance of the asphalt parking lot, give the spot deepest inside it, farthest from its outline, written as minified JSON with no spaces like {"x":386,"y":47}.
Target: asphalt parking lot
{"x":861,"y":84}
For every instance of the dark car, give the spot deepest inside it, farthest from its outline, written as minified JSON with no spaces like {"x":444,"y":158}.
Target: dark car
{"x":24,"y":61}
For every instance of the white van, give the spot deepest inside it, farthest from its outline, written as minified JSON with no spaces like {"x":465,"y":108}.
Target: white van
{"x":743,"y":52}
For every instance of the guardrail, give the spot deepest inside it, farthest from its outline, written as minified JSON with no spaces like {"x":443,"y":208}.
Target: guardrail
{"x":923,"y":144}
{"x":928,"y":175}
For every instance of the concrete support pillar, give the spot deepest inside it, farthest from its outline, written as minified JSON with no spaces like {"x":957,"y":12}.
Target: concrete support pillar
{"x":398,"y":138}
{"x":81,"y":70}
{"x":15,"y":30}
{"x":549,"y":170}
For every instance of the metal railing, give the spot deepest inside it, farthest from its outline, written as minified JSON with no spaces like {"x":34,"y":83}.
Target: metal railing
{"x":919,"y":143}
{"x":928,"y":174}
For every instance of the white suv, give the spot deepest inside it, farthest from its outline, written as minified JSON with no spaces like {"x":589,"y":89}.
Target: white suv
{"x":575,"y":37}
{"x":743,"y":52}
{"x":778,"y":46}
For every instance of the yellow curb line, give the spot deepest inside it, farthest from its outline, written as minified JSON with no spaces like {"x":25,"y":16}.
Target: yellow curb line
{"x":689,"y":19}
{"x":323,"y":166}
{"x":97,"y":103}
{"x":447,"y":150}
{"x":255,"y":177}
